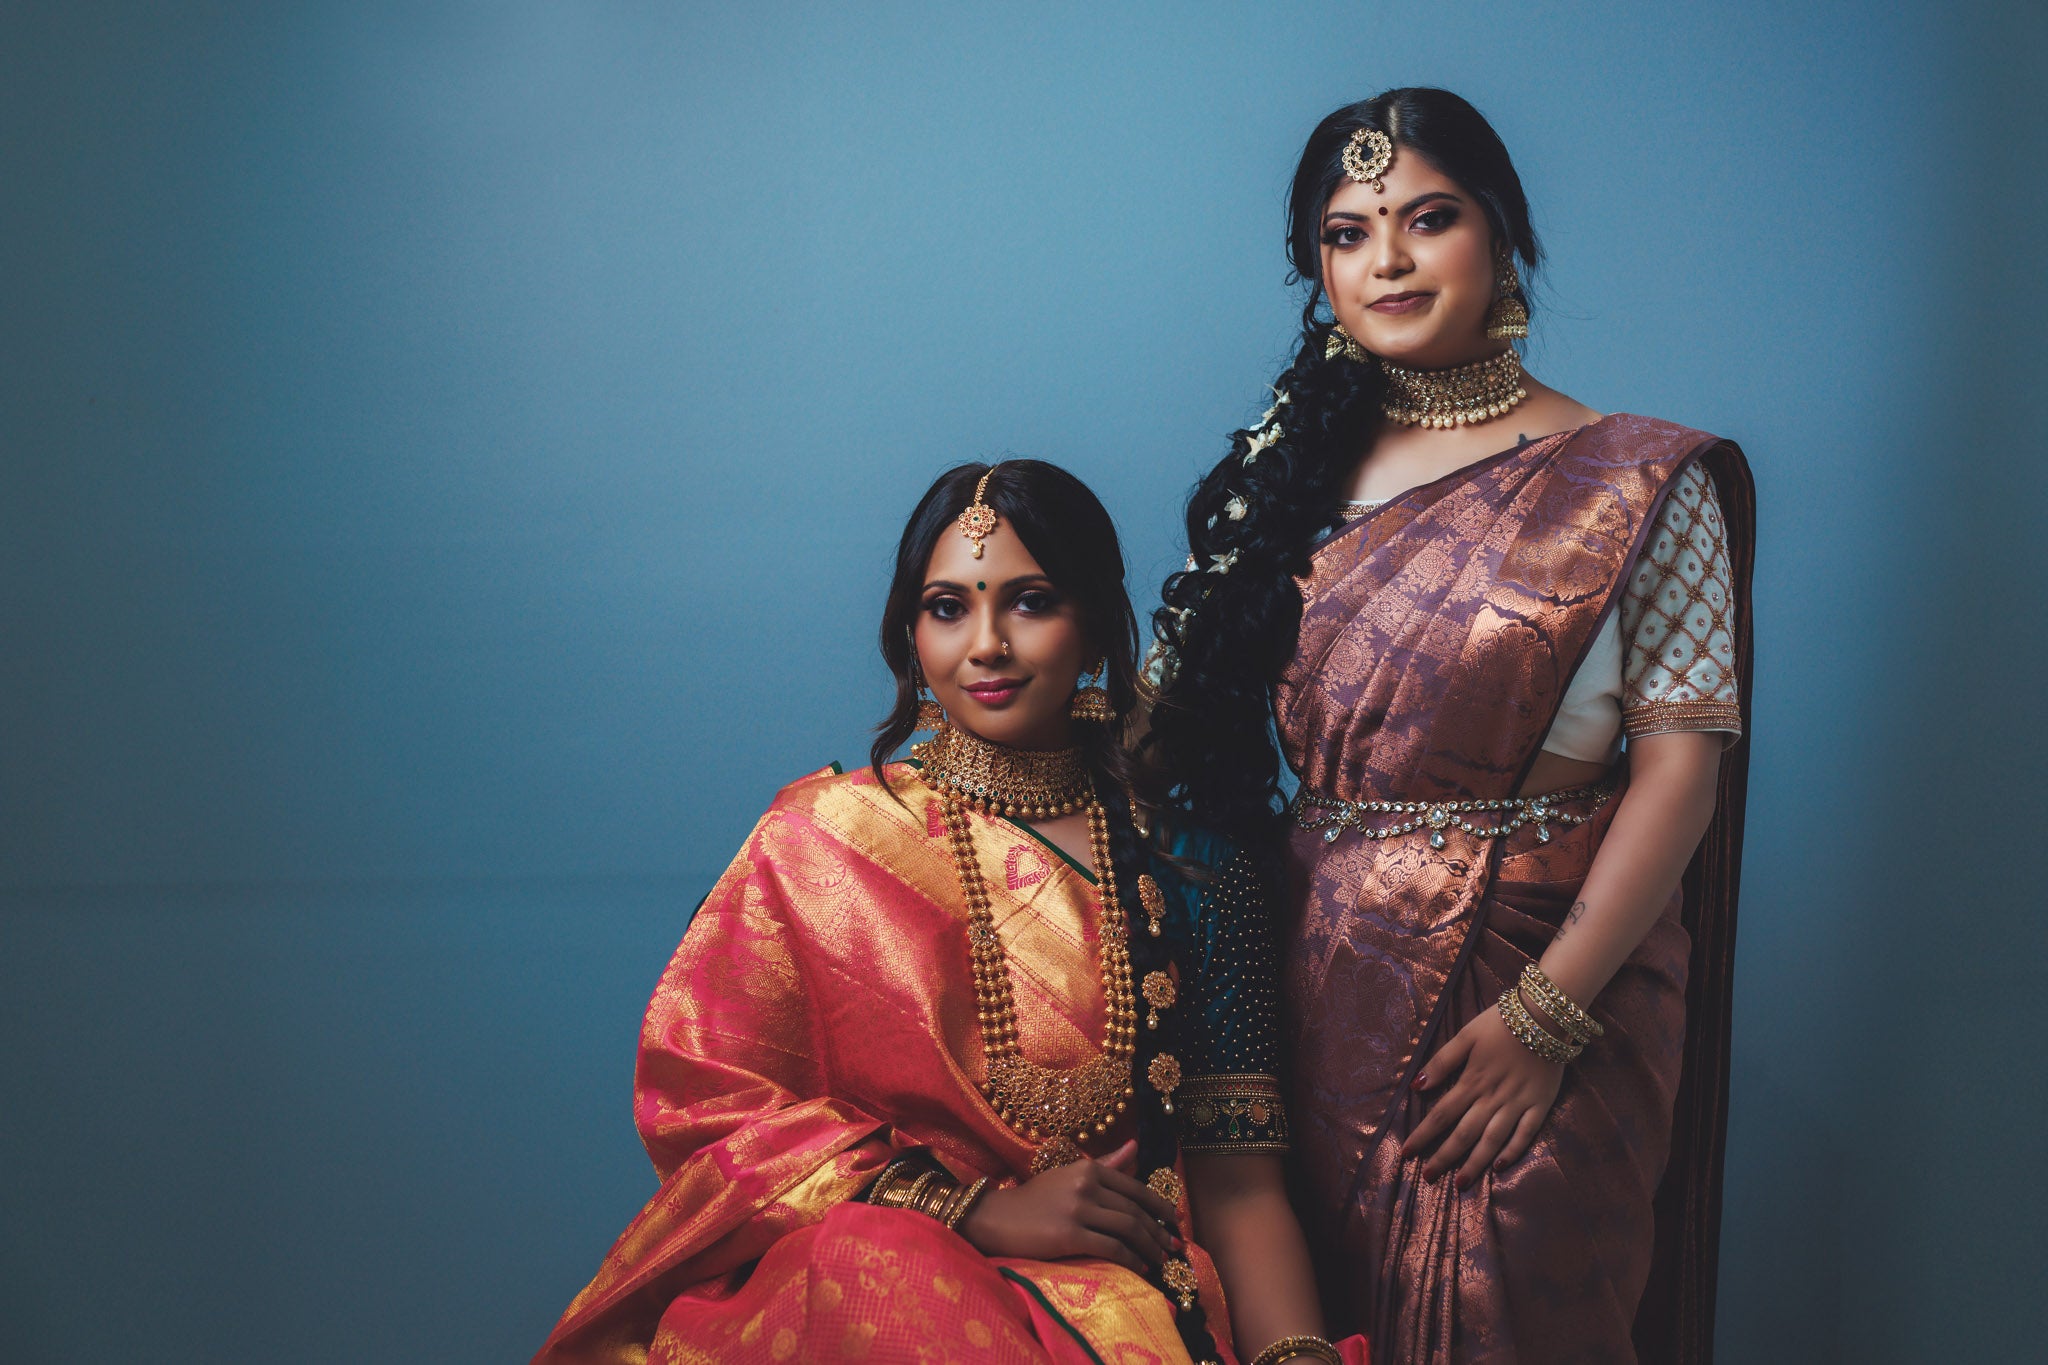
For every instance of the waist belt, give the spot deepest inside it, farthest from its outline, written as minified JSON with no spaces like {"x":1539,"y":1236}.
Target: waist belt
{"x":1333,"y":817}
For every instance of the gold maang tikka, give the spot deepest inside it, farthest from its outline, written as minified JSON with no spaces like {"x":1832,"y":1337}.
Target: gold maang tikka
{"x":1367,"y":156}
{"x":978,"y":522}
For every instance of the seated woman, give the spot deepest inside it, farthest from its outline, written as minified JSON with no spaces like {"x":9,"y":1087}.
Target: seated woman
{"x":956,"y":1062}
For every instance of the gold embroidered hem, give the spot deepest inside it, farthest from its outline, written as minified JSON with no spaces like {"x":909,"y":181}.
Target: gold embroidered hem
{"x":1233,"y":1113}
{"x":1673,"y":717}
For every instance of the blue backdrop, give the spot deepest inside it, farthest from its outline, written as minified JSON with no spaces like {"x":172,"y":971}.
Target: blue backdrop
{"x":449,"y":457}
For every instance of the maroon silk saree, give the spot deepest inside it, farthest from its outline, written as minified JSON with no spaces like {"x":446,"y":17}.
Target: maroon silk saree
{"x":1438,"y":636}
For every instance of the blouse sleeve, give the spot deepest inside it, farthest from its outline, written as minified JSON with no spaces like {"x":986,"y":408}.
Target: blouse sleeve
{"x":1677,"y":617}
{"x":1230,"y":1100}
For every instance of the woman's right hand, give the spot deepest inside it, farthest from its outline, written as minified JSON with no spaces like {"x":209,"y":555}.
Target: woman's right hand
{"x":1085,"y":1208}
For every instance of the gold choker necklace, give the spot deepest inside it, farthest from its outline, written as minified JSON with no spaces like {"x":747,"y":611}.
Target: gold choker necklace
{"x":1027,"y":784}
{"x":1464,"y":396}
{"x":1057,"y":1107}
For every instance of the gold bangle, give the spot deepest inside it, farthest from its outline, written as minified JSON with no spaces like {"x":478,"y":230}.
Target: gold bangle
{"x":1293,"y":1348}
{"x":1580,"y":1026}
{"x":962,"y":1201}
{"x":1531,"y":1034}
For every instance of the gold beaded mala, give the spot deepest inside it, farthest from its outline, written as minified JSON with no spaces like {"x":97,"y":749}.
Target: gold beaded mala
{"x":1054,"y":1107}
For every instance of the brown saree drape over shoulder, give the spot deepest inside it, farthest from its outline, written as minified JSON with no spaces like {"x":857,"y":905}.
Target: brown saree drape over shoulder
{"x":1437,"y":638}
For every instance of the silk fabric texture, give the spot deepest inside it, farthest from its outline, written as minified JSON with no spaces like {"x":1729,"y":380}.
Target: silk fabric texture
{"x":817,"y":1021}
{"x":1438,"y":635}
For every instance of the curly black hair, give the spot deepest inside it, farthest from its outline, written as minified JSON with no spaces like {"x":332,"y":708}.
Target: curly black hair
{"x":1229,"y":622}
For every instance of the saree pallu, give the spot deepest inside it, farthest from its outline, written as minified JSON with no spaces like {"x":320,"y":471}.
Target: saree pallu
{"x":1438,"y":636}
{"x":817,"y":1021}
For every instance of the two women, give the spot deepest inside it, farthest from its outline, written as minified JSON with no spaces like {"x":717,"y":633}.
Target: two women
{"x":895,"y":1079}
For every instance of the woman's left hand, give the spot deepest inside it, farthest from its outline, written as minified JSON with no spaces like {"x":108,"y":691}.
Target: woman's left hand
{"x":1491,"y":1113}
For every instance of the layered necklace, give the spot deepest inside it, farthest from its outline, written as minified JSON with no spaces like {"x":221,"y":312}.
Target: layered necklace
{"x":1463,"y":396}
{"x":1055,"y":1107}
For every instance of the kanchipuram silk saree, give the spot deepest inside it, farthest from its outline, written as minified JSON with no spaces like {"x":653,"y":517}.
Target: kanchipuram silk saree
{"x":817,"y":1020}
{"x":1438,"y":636}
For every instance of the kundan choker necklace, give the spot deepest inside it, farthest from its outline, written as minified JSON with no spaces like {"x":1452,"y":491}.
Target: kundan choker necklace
{"x":1463,"y":396}
{"x":1056,"y":1107}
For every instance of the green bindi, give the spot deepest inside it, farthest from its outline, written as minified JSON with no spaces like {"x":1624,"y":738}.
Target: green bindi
{"x":981,"y":587}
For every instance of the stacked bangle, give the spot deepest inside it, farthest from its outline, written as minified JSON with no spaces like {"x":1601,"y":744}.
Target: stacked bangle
{"x":1296,"y":1348}
{"x":907,"y":1183}
{"x":1579,"y":1026}
{"x":1531,"y":1034}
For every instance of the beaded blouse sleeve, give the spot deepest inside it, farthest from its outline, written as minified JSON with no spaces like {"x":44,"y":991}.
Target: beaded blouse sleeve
{"x":1230,"y":1099}
{"x":1677,"y":617}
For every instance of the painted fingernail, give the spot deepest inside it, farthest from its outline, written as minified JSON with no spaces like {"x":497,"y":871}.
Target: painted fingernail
{"x":1421,"y":1080}
{"x":1179,"y":1245}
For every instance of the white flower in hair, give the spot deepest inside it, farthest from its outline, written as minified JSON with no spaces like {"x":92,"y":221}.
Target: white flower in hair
{"x":1260,"y":440}
{"x":1280,"y":398}
{"x":1234,"y":509}
{"x":1193,"y":563}
{"x":1222,"y":563}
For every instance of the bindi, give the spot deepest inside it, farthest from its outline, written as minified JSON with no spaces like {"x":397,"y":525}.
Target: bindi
{"x":1383,"y":210}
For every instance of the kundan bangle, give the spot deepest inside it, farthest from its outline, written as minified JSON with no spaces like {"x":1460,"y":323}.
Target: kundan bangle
{"x":1294,"y":1348}
{"x":1578,"y":1025}
{"x":1531,"y":1034}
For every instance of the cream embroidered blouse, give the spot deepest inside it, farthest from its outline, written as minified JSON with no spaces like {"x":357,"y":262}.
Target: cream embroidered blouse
{"x":1677,"y":669}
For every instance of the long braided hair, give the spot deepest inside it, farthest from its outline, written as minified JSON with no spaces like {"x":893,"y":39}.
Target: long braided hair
{"x":1229,"y":622}
{"x":1070,"y":534}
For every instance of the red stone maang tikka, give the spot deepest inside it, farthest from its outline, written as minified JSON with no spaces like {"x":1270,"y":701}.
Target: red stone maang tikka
{"x":978,"y":522}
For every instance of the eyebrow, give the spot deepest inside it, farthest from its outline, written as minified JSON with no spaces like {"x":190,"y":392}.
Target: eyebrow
{"x":962,"y":587}
{"x":1417,"y":202}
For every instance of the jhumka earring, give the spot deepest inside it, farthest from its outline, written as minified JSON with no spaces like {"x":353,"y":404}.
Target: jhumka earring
{"x":1508,"y":318}
{"x":930,"y":715}
{"x":1341,"y":342}
{"x":1091,"y":703}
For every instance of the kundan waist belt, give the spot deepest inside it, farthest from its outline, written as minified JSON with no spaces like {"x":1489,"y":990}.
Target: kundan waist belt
{"x":1333,"y":817}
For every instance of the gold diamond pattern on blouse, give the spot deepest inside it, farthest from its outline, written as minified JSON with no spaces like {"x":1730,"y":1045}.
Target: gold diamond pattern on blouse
{"x":1680,"y":672}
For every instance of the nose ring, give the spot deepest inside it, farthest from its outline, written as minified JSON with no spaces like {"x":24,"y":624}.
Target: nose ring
{"x":1006,"y":649}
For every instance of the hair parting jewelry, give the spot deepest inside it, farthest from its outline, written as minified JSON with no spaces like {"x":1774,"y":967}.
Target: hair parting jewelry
{"x":1054,"y":1107}
{"x":1464,"y":396}
{"x":1367,"y":156}
{"x":978,"y":522}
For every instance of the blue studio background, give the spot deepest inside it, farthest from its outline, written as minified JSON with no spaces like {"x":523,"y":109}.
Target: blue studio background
{"x":449,"y":458}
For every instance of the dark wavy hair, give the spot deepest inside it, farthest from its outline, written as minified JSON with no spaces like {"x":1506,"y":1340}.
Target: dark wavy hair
{"x":1230,"y":634}
{"x":1070,"y":534}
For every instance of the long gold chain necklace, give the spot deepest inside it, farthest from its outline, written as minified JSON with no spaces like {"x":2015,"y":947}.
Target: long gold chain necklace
{"x":1056,"y":1107}
{"x":1464,"y":396}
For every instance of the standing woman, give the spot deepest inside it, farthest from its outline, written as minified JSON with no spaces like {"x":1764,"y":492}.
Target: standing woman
{"x":1507,"y":944}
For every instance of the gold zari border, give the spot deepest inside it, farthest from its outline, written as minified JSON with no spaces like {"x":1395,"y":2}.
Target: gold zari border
{"x":1232,"y":1113}
{"x":1672,"y":717}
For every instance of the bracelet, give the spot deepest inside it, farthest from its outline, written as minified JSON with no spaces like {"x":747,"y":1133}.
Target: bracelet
{"x":1578,"y":1025}
{"x":1293,"y":1348}
{"x":962,"y":1200}
{"x":1531,"y":1034}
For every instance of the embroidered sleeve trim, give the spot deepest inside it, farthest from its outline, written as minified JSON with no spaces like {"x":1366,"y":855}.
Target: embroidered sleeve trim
{"x":1672,"y":717}
{"x":1232,"y":1113}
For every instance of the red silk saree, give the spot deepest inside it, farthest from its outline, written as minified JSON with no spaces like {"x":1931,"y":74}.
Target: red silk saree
{"x":1438,"y":635}
{"x":818,"y":1020}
